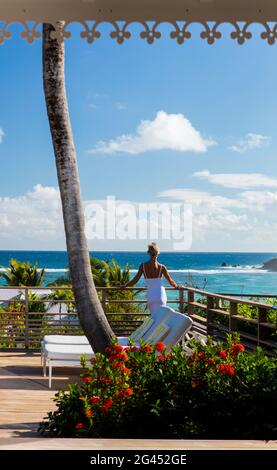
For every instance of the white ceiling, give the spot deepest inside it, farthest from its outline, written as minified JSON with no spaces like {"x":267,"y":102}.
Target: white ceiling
{"x":138,"y":10}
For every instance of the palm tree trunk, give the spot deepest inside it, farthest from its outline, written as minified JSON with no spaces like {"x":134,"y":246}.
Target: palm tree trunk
{"x":91,"y":314}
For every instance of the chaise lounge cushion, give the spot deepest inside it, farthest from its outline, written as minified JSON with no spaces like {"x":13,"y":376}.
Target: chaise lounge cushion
{"x":65,"y":339}
{"x":178,"y":325}
{"x":67,"y":352}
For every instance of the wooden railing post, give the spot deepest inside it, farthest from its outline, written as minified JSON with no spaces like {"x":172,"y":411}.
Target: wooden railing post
{"x":233,"y":322}
{"x":181,"y":301}
{"x":26,"y":333}
{"x":104,"y":300}
{"x":210,"y":315}
{"x":262,"y":330}
{"x":190,"y":302}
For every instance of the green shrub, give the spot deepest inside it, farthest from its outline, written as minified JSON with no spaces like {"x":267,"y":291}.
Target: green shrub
{"x":22,"y":274}
{"x":146,"y":393}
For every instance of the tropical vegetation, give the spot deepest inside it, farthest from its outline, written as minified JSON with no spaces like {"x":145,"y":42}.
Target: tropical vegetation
{"x":22,"y":274}
{"x":105,"y":274}
{"x":108,"y":273}
{"x":218,"y":391}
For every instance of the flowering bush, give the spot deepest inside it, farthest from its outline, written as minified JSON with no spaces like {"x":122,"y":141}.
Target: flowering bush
{"x":147,"y":392}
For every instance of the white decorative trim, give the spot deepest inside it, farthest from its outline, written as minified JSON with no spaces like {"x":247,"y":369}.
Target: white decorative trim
{"x":150,"y":32}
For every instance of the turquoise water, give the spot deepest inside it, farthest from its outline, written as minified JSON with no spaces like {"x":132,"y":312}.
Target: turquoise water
{"x":203,"y":270}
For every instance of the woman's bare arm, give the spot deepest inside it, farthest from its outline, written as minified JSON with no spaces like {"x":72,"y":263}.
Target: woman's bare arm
{"x":169,"y":278}
{"x":135,"y":279}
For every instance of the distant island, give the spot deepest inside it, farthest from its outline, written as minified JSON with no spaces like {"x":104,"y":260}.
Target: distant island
{"x":270,"y":265}
{"x":225,"y":265}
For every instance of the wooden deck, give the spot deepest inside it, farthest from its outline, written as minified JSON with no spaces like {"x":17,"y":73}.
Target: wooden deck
{"x":25,"y":400}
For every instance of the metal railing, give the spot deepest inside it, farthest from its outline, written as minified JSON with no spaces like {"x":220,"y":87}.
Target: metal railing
{"x":25,"y":319}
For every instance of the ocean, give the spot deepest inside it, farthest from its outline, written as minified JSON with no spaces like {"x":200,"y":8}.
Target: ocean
{"x":242,"y":274}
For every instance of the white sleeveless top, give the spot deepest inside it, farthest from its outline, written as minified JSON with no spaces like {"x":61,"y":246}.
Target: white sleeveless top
{"x":155,"y":290}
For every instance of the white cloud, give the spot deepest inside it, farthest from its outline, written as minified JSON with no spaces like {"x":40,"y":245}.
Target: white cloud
{"x":103,"y":100}
{"x":120,"y":106}
{"x":199,"y":198}
{"x":258,"y":200}
{"x":246,"y":221}
{"x":250,"y":142}
{"x":164,"y":132}
{"x":237,"y":180}
{"x":2,"y":135}
{"x":32,"y":220}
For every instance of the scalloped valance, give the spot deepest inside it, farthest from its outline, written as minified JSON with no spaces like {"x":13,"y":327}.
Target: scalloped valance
{"x":149,"y":14}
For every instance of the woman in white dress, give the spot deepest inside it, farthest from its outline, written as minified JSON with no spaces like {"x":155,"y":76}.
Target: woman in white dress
{"x":153,"y":273}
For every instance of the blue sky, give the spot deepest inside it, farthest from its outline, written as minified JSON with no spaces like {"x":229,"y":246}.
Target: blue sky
{"x":226,"y":92}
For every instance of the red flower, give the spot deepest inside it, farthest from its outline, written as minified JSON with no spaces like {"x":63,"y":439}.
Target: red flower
{"x":117,"y":365}
{"x":125,"y":393}
{"x":125,"y":370}
{"x":79,"y":426}
{"x":169,"y":356}
{"x":134,"y":348}
{"x":147,"y":348}
{"x":87,"y":379}
{"x":195,"y":357}
{"x":223,"y":354}
{"x":94,"y":399}
{"x":194,"y":383}
{"x":88,"y":413}
{"x":123,"y":356}
{"x":107,"y":405}
{"x":160,"y":358}
{"x":221,"y":369}
{"x":113,"y":356}
{"x":106,"y":380}
{"x":118,"y":348}
{"x":237,"y":348}
{"x":227,"y":369}
{"x":160,"y":347}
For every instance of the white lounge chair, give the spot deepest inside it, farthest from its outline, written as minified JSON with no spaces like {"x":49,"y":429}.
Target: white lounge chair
{"x":167,"y":326}
{"x":69,"y":341}
{"x":177,"y":325}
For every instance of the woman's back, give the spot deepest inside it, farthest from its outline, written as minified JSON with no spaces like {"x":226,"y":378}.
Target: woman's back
{"x":152,"y":270}
{"x":153,"y":273}
{"x":153,"y":280}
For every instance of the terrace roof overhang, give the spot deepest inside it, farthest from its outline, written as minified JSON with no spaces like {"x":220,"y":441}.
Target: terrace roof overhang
{"x":149,"y":13}
{"x":139,"y":10}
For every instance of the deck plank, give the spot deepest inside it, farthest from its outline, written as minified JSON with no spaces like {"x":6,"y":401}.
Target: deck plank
{"x":25,"y":400}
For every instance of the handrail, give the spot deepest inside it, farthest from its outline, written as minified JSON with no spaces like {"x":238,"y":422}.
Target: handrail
{"x":230,"y":298}
{"x":268,"y":296}
{"x":217,"y":314}
{"x":97,"y":288}
{"x":220,"y":320}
